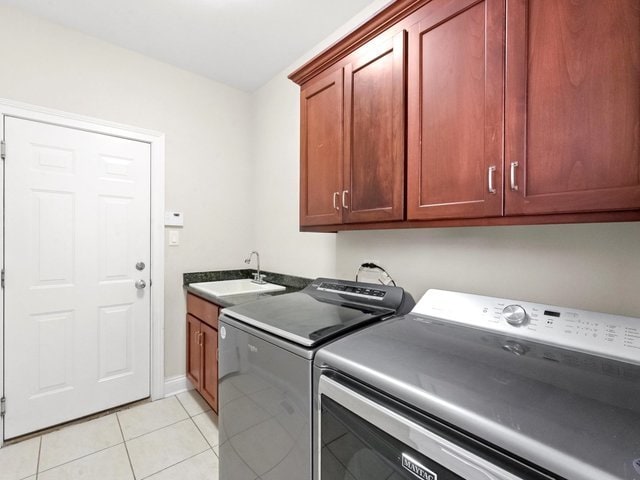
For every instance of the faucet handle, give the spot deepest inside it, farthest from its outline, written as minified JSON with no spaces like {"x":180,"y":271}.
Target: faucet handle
{"x":259,"y":278}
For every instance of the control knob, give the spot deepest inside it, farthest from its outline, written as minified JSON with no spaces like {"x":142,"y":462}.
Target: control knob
{"x":514,"y":315}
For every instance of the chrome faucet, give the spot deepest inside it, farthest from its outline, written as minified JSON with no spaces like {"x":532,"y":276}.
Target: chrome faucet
{"x":257,"y":277}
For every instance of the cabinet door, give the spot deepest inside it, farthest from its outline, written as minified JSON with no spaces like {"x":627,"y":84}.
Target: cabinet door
{"x":194,"y":351}
{"x":374,"y":133}
{"x":321,"y":150}
{"x":210,"y":366}
{"x":455,"y":101}
{"x":573,"y":106}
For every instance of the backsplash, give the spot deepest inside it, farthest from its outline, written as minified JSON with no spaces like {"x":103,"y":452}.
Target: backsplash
{"x":219,"y":275}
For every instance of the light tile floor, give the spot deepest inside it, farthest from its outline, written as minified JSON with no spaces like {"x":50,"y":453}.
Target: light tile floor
{"x":173,"y":438}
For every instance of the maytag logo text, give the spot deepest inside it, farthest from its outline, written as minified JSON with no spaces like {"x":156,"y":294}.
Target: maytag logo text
{"x":418,"y":470}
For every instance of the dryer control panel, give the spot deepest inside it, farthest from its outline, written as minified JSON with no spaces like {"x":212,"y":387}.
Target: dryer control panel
{"x":611,"y":336}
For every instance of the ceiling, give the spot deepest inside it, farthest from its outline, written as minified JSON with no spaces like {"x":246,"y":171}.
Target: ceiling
{"x":242,"y":43}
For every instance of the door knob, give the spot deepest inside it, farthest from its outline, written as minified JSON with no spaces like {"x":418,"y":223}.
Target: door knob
{"x":140,"y":284}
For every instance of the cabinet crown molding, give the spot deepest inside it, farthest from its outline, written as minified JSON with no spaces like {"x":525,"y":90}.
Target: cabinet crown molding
{"x":379,"y":22}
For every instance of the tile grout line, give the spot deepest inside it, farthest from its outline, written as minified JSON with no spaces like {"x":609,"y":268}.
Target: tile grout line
{"x":80,"y":458}
{"x":162,"y":428}
{"x":182,"y":405}
{"x":38,"y":463}
{"x":155,"y":429}
{"x":202,"y":433}
{"x":178,"y":463}
{"x":189,"y":417}
{"x":126,"y":449}
{"x":124,"y":442}
{"x":196,"y":425}
{"x":185,"y":408}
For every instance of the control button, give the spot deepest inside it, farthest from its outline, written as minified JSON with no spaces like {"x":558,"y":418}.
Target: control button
{"x":514,"y":315}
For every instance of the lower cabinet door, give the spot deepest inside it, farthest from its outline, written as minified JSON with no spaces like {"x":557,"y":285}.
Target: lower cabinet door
{"x":194,"y":354}
{"x":209,"y":381}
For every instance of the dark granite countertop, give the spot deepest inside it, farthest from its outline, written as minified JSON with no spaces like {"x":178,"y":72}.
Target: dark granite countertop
{"x":292,"y":284}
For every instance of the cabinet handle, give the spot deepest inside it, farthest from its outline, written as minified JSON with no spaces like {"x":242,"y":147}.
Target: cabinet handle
{"x":344,"y":199}
{"x":492,"y":188}
{"x":335,"y":200}
{"x":514,"y":185}
{"x":200,"y":338}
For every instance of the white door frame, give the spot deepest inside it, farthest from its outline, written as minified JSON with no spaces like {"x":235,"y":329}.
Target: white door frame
{"x":9,"y":108}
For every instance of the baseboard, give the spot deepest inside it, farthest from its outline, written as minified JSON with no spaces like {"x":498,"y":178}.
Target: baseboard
{"x":175,"y":385}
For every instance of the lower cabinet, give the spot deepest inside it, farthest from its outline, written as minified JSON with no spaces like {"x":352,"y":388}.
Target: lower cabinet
{"x":202,"y":348}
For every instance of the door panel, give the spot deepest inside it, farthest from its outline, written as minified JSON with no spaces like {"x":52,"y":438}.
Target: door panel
{"x":76,"y":222}
{"x":455,"y":110}
{"x":194,"y":351}
{"x":113,"y":237}
{"x":115,"y":336}
{"x":573,"y":106}
{"x":321,"y":122}
{"x":210,"y":365}
{"x":374,"y":135}
{"x":53,"y":352}
{"x":53,"y":214}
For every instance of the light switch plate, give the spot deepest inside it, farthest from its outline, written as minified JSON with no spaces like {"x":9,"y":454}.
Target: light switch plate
{"x":174,"y":238}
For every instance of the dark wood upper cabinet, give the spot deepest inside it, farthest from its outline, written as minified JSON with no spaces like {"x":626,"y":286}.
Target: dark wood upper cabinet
{"x":573,"y":106}
{"x":456,"y":110}
{"x":353,"y":138}
{"x":374,"y":134}
{"x":474,"y":112}
{"x":321,"y":150}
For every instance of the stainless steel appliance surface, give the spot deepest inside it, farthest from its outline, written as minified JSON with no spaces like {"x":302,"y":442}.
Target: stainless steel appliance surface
{"x":266,"y":350}
{"x":477,"y":387}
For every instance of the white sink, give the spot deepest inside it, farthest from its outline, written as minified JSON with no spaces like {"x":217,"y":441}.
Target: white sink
{"x":235,"y":287}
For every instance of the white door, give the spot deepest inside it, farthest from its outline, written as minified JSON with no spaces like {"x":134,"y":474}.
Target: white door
{"x":77,"y":220}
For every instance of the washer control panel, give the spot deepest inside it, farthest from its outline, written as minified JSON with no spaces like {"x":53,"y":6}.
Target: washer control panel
{"x":612,"y":336}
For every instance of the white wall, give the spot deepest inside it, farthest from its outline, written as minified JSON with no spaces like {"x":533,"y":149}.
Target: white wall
{"x":595,"y":267}
{"x":207,"y":127}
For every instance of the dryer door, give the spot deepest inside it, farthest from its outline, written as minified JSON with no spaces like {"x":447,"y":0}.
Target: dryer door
{"x":360,"y":439}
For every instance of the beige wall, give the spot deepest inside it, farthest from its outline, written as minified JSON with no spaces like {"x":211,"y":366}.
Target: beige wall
{"x":207,"y":127}
{"x":591,"y":267}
